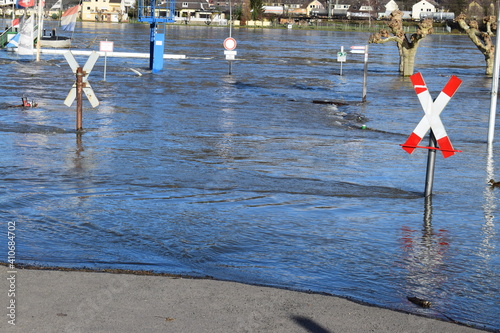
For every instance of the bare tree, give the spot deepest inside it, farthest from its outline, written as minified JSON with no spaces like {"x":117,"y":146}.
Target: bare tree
{"x":407,"y":46}
{"x":482,"y":39}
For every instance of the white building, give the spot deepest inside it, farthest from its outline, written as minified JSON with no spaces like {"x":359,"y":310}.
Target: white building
{"x":423,"y":9}
{"x":391,"y":6}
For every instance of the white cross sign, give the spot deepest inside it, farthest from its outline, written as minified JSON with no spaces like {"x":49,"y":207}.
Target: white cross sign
{"x":431,"y":118}
{"x":87,"y":89}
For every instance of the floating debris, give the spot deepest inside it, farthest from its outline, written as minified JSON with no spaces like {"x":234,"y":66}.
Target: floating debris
{"x":420,"y":302}
{"x":136,"y":71}
{"x":326,"y":101}
{"x":25,"y":104}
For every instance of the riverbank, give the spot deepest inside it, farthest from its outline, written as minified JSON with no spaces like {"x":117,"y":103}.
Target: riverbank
{"x":76,"y":301}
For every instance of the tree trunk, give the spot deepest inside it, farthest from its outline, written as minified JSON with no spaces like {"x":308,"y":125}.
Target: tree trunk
{"x":401,"y":58}
{"x":490,"y":63}
{"x":482,"y":39}
{"x":408,"y":61}
{"x":407,"y":45}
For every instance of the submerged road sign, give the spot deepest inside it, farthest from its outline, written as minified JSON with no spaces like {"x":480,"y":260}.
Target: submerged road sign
{"x":229,"y":43}
{"x":431,"y":118}
{"x":358,"y":49}
{"x":87,"y":89}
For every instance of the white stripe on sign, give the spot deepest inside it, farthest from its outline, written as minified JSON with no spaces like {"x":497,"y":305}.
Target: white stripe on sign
{"x":432,"y":111}
{"x":358,"y":47}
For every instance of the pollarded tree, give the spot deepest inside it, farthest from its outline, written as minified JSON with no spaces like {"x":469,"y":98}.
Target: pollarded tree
{"x":407,"y":46}
{"x":482,"y":39}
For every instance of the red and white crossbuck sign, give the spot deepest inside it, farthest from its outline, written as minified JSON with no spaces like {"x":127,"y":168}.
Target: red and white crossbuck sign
{"x":431,"y":119}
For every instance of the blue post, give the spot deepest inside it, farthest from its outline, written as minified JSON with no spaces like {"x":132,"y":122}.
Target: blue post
{"x":158,"y":53}
{"x":156,"y":49}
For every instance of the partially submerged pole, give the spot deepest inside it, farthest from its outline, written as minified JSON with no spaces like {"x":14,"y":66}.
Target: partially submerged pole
{"x":79,"y":91}
{"x":494,"y":87}
{"x":365,"y":75}
{"x":431,"y":162}
{"x":230,"y":34}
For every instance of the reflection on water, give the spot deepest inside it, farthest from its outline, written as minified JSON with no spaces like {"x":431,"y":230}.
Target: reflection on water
{"x":425,"y":257}
{"x":243,"y":177}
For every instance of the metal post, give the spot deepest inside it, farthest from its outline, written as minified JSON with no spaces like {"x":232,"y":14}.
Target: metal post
{"x":431,"y":162}
{"x":365,"y":75}
{"x":105,"y":63}
{"x":79,"y":90}
{"x":494,"y":88}
{"x":230,"y":18}
{"x":342,"y":51}
{"x":152,"y":37}
{"x":156,"y":48}
{"x":230,"y":34}
{"x":428,"y":213}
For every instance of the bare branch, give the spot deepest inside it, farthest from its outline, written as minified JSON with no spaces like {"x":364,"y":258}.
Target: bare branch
{"x":482,"y":39}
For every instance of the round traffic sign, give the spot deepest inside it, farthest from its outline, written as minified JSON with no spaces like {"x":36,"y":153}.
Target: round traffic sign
{"x":229,"y":43}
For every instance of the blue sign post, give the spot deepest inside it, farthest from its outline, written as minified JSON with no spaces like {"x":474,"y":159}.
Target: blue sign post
{"x":163,"y":13}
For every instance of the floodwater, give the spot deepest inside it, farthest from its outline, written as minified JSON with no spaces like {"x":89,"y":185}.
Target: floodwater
{"x":242,"y":177}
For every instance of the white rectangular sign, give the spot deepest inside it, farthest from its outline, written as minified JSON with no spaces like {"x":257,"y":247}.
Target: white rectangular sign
{"x":358,"y":49}
{"x":230,"y":55}
{"x":341,"y":56}
{"x":106,"y":46}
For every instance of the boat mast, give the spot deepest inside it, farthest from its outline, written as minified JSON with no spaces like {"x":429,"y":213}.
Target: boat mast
{"x":39,"y":30}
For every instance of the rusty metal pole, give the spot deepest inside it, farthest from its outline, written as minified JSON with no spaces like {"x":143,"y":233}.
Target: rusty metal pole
{"x":79,"y":91}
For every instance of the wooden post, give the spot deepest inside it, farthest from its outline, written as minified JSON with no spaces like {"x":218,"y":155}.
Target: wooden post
{"x":79,"y":91}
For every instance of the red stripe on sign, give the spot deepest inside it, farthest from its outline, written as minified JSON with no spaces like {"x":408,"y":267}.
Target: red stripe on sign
{"x":418,"y":83}
{"x":452,"y":86}
{"x":412,"y":142}
{"x":445,"y":145}
{"x":417,"y":79}
{"x":420,"y":90}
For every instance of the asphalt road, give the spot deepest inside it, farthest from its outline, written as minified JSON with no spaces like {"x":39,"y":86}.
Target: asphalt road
{"x":73,"y":301}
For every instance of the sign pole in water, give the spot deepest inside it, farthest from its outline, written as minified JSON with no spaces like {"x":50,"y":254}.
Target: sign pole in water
{"x":363,"y":50}
{"x":79,"y":91}
{"x":81,"y":84}
{"x":341,"y":57}
{"x":431,"y":163}
{"x":365,"y":74}
{"x":494,"y":89}
{"x":230,"y":45}
{"x":106,"y":47}
{"x":438,"y":139}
